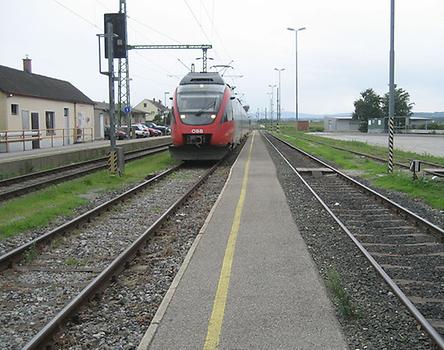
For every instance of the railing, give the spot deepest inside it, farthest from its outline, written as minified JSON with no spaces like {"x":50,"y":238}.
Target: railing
{"x":43,"y":138}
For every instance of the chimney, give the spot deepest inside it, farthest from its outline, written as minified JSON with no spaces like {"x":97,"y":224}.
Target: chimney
{"x":27,"y":66}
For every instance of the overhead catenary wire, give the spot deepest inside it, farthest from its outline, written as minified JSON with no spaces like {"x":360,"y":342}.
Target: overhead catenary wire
{"x":94,"y":25}
{"x":214,"y":30}
{"x":77,"y":15}
{"x":154,"y":29}
{"x":201,"y":27}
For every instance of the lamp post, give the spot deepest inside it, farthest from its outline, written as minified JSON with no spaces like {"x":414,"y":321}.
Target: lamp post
{"x":165,"y":104}
{"x":296,"y":71}
{"x":279,"y":94}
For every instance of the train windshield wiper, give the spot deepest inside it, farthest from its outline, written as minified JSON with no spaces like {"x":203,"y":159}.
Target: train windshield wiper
{"x":205,"y":109}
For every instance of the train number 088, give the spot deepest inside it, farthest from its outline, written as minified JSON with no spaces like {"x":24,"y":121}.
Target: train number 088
{"x":197,"y":131}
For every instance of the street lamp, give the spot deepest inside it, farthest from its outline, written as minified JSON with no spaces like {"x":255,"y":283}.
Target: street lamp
{"x":296,"y":71}
{"x":279,"y":94}
{"x":165,"y":104}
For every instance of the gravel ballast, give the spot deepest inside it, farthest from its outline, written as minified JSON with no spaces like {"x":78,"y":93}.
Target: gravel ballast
{"x":35,"y":290}
{"x":122,"y":315}
{"x":379,"y":320}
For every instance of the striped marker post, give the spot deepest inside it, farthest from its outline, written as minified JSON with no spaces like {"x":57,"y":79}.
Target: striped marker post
{"x":390,"y":144}
{"x":391,"y":87}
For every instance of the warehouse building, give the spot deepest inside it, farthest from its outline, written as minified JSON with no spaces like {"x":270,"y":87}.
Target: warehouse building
{"x":340,"y":123}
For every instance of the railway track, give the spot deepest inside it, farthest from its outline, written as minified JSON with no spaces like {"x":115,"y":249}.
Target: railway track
{"x":435,"y":170}
{"x":20,"y":185}
{"x":45,"y":282}
{"x":406,"y":250}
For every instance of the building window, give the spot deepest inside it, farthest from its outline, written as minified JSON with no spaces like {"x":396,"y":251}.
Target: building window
{"x":379,"y":122}
{"x":66,"y":112}
{"x":50,"y":123}
{"x":144,"y":105}
{"x":14,"y":109}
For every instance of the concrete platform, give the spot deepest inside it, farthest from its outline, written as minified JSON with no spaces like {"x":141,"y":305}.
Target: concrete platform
{"x":18,"y":163}
{"x":274,"y":296}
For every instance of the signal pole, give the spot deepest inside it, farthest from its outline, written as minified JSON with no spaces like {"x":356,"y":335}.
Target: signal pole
{"x":109,"y":36}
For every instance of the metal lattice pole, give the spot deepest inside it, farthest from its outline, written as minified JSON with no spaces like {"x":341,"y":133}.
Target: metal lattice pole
{"x":204,"y":60}
{"x":124,"y":102}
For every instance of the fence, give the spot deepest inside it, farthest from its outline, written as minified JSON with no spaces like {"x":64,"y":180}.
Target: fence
{"x":22,"y":140}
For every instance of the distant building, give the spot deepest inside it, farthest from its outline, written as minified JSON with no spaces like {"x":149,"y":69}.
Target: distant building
{"x":101,"y":119}
{"x":151,"y":108}
{"x":340,"y":123}
{"x":138,"y":116}
{"x":402,"y":124}
{"x":38,"y":111}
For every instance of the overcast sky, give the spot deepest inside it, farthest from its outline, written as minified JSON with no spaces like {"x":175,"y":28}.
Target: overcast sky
{"x":343,"y":51}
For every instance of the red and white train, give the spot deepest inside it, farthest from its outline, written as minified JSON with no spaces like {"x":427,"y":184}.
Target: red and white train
{"x":207,"y":119}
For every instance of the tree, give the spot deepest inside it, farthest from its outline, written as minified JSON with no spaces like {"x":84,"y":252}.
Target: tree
{"x":403,"y":106}
{"x":368,"y":106}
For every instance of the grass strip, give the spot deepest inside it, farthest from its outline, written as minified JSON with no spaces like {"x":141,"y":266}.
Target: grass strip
{"x":342,"y":299}
{"x":39,"y":208}
{"x":357,"y":146}
{"x":429,"y":190}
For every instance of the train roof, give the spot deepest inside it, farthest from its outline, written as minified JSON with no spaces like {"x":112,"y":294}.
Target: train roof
{"x":202,"y":78}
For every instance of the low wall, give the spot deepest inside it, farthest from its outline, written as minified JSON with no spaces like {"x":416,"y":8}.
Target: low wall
{"x":63,"y":156}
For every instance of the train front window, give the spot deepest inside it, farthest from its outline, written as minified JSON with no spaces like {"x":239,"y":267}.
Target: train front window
{"x":198,"y":109}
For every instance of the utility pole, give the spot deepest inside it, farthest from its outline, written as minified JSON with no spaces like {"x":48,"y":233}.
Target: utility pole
{"x":279,"y":94}
{"x":271,"y":103}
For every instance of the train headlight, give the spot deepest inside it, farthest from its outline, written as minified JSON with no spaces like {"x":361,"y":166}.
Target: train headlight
{"x":183,"y":116}
{"x":213,"y":116}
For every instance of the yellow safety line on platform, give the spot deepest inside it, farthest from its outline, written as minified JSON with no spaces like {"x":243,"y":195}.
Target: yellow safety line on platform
{"x":217,"y":316}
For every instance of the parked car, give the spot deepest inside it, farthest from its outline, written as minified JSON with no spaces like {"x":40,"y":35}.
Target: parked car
{"x":120,"y":133}
{"x":151,"y":131}
{"x":140,"y":130}
{"x":164,"y":129}
{"x":154,"y":132}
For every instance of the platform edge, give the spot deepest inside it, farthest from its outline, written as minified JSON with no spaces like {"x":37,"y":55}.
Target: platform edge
{"x":152,"y":329}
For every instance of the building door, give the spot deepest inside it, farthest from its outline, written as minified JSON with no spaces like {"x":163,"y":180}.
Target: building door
{"x":102,"y":128}
{"x":25,"y":120}
{"x":35,"y":127}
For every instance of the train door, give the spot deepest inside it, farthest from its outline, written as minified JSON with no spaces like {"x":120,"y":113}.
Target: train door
{"x":35,"y":127}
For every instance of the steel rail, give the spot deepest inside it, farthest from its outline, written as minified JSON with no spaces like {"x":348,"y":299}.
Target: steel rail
{"x":428,"y":328}
{"x":109,"y":273}
{"x":414,"y":217}
{"x":102,"y":164}
{"x":382,"y":160}
{"x":21,"y":178}
{"x":14,"y":255}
